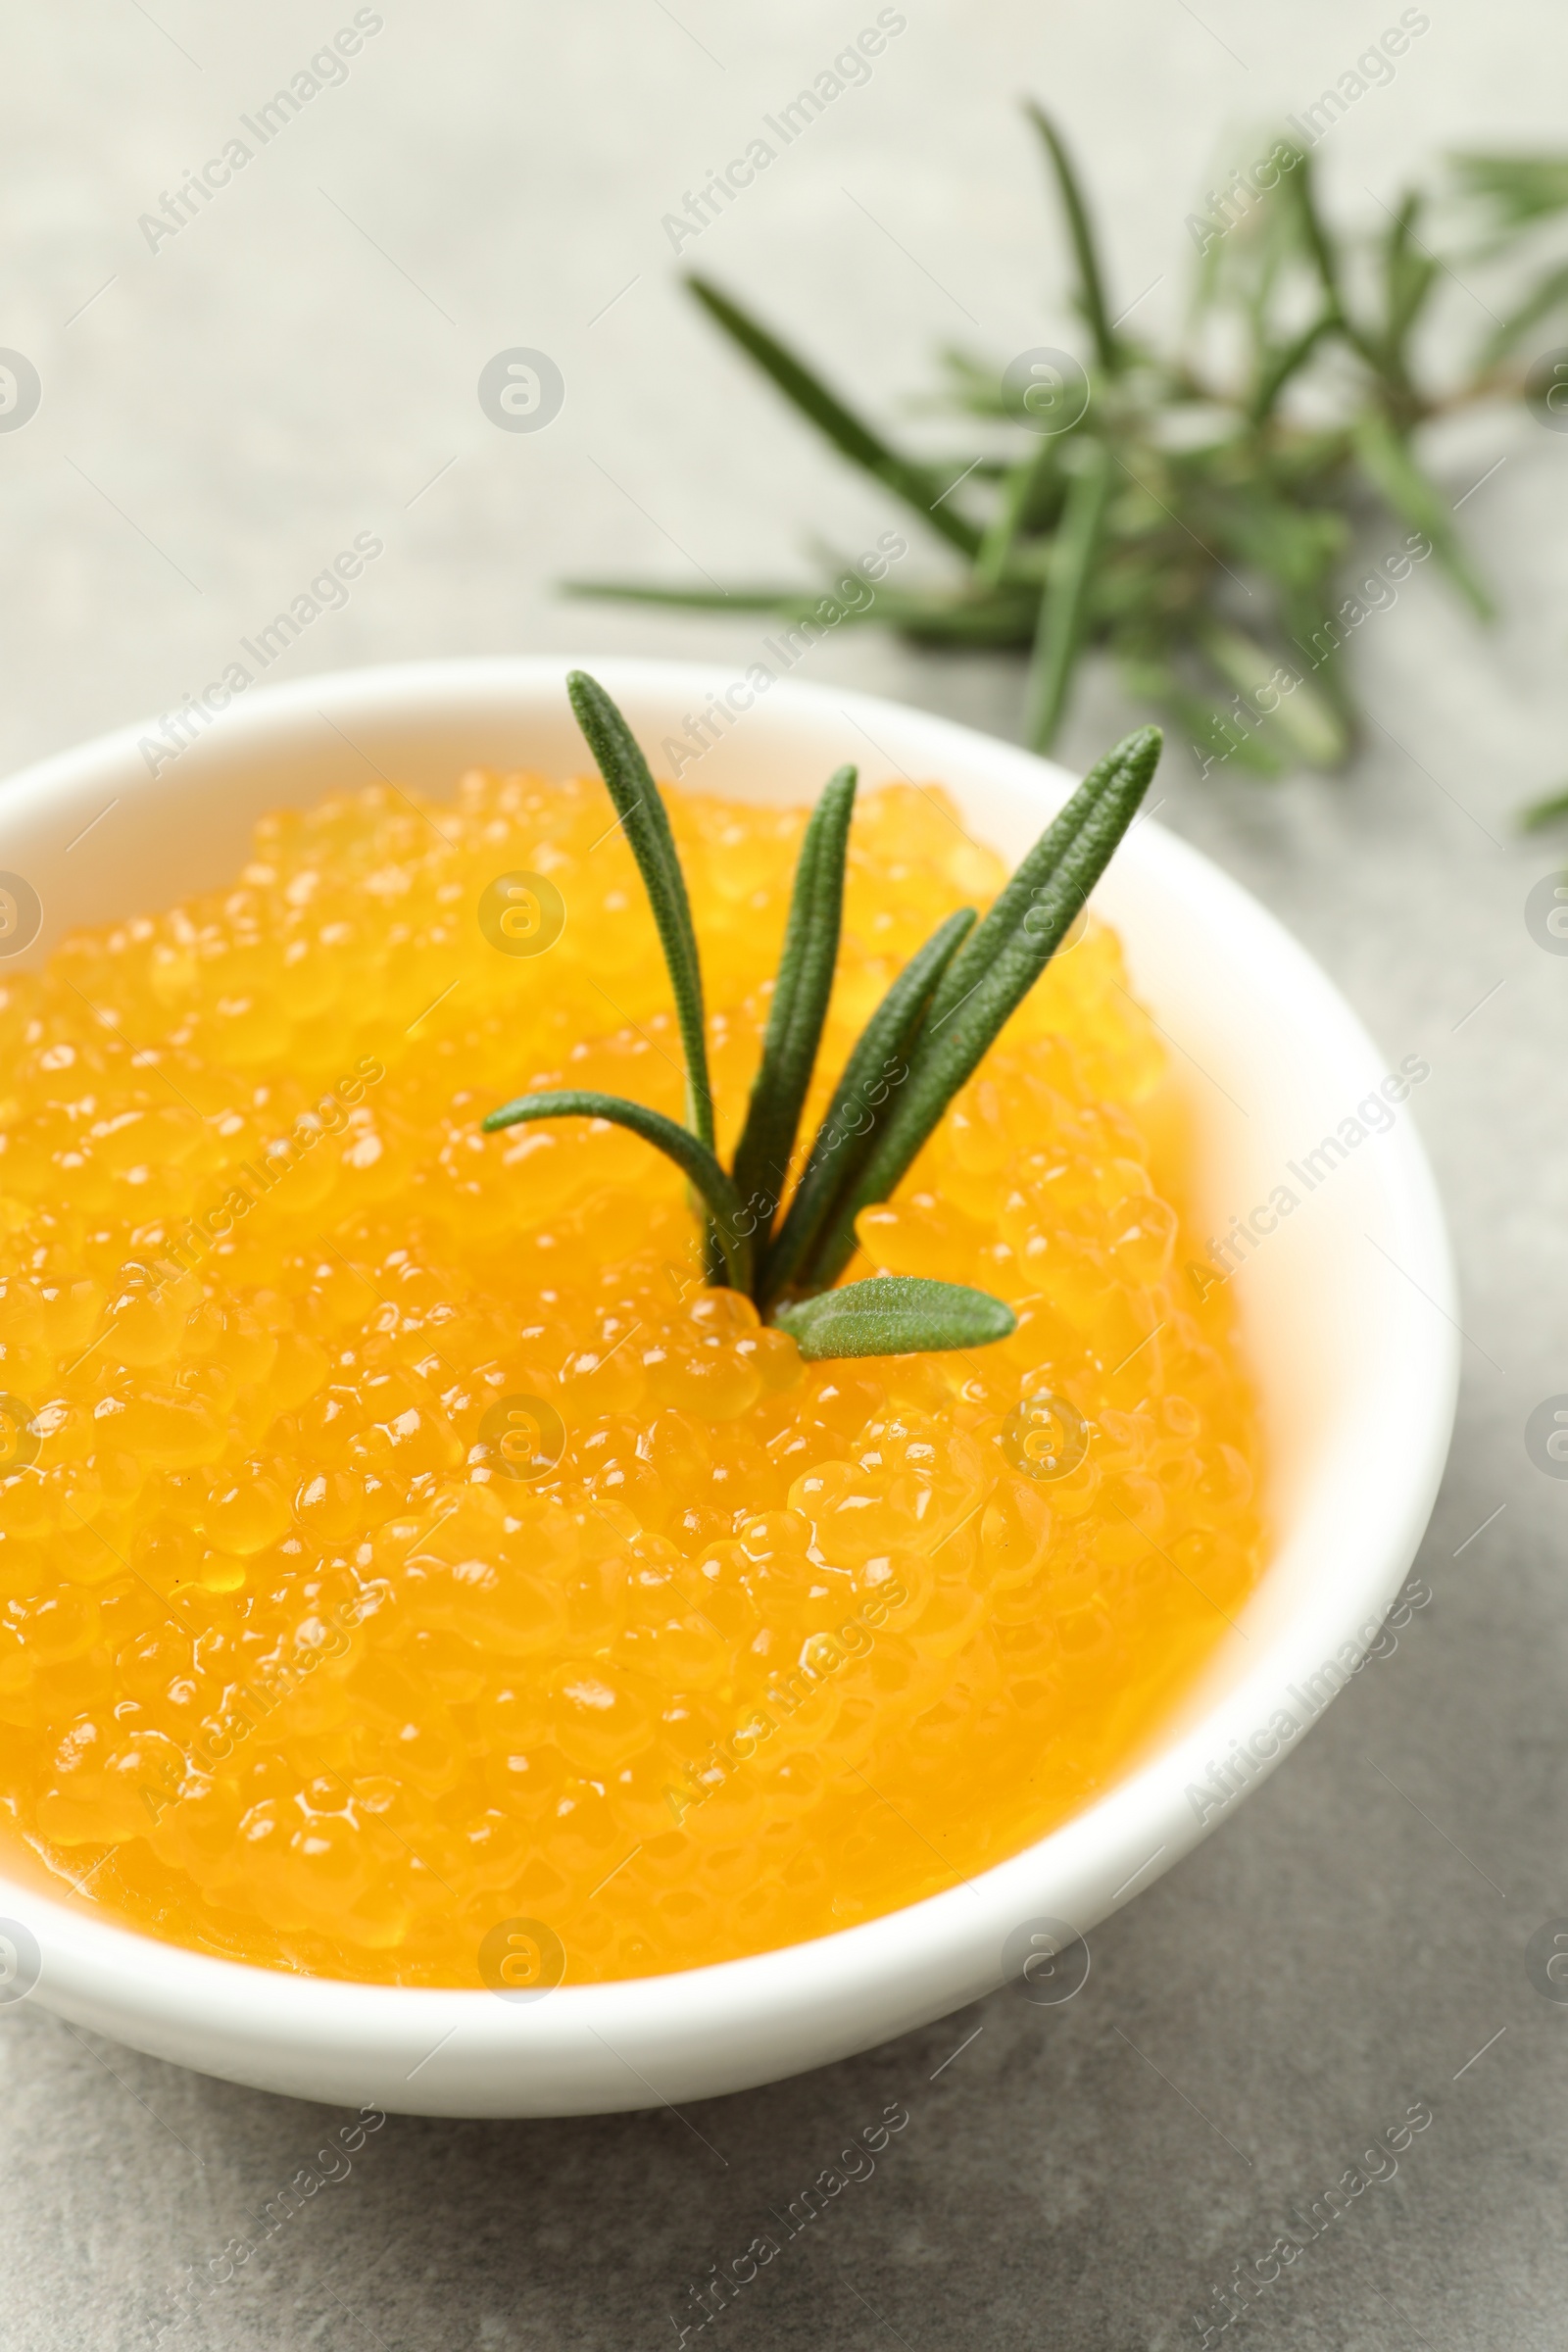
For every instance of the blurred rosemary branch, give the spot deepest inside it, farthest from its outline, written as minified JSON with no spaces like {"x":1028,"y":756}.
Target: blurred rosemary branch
{"x":1190,"y":510}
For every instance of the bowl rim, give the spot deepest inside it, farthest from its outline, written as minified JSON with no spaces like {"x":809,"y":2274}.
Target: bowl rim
{"x":803,"y":2004}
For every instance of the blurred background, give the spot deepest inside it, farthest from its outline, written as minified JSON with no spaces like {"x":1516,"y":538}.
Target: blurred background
{"x":231,"y":391}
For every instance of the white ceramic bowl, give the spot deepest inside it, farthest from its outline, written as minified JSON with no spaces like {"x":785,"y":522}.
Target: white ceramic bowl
{"x":1349,"y":1310}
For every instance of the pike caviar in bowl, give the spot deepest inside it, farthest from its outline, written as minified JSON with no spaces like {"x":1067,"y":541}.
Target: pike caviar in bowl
{"x":423,"y":1593}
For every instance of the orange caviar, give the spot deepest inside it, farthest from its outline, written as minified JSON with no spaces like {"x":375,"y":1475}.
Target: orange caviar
{"x":399,"y":1541}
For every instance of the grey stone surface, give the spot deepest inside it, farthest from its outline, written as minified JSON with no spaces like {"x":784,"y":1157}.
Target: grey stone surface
{"x":300,"y":364}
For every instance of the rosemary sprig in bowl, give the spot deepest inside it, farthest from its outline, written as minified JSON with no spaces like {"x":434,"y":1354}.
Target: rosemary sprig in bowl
{"x":936,"y":1022}
{"x":1193,"y":516}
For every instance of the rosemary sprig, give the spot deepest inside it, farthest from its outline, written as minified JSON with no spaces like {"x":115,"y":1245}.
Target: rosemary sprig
{"x":1091,"y":281}
{"x":929,"y":1032}
{"x":988,"y":979}
{"x":877,"y":1066}
{"x":691,"y":1155}
{"x":1190,"y":492}
{"x":1069,"y":582}
{"x":643,"y":815}
{"x":917,"y":485}
{"x":874,"y":1317}
{"x":800,"y":993}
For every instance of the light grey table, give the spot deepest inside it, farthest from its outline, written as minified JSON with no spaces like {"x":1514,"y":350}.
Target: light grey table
{"x":223,"y":408}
